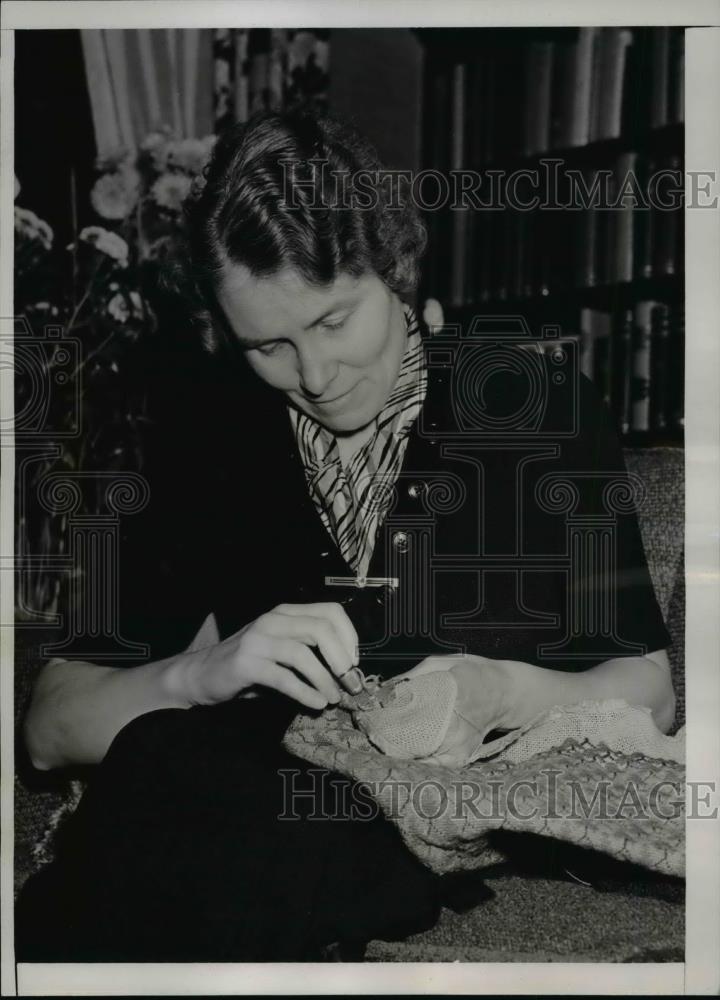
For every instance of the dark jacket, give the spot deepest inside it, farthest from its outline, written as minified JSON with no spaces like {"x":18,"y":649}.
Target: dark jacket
{"x":512,"y":534}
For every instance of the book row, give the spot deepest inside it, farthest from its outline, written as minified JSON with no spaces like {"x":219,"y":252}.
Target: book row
{"x":635,"y":357}
{"x":520,"y":100}
{"x":626,"y":224}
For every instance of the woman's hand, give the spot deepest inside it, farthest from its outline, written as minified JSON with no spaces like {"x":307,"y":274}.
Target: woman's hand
{"x":278,"y":650}
{"x":482,"y":700}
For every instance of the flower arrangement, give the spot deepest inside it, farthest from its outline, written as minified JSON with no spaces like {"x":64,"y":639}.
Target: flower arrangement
{"x":102,"y":291}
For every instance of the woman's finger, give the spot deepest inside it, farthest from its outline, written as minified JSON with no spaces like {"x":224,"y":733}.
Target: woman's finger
{"x":336,"y":614}
{"x":314,"y":632}
{"x":281,"y":679}
{"x":294,"y":654}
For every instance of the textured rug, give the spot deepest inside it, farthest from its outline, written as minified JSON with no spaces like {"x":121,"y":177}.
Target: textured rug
{"x":629,"y":917}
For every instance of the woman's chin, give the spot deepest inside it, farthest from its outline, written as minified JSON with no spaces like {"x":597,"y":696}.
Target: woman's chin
{"x":350,"y":420}
{"x":351,"y":423}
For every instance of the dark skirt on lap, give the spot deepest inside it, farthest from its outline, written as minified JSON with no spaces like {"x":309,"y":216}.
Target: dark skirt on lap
{"x":187,"y":847}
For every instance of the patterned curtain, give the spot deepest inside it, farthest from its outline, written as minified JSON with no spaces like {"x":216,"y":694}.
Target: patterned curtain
{"x":267,"y":68}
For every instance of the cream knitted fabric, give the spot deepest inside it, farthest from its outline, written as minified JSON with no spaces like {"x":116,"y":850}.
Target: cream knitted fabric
{"x":409,"y":718}
{"x":543,"y":780}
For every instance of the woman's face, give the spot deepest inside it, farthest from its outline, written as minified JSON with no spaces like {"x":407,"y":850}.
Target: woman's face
{"x":334,"y":351}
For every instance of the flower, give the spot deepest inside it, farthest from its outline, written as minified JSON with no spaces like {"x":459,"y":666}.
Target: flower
{"x":124,"y":306}
{"x":117,"y":159}
{"x":171,"y":190}
{"x":106,"y":242}
{"x":208,"y":142}
{"x":156,"y":147}
{"x":30,"y":227}
{"x":300,"y":48}
{"x":17,"y":189}
{"x":189,"y":155}
{"x":115,"y":194}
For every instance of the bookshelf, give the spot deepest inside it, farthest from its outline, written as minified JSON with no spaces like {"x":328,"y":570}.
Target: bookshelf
{"x":563,"y":153}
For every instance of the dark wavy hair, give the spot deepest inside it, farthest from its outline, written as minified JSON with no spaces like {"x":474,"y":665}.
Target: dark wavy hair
{"x":326,"y":211}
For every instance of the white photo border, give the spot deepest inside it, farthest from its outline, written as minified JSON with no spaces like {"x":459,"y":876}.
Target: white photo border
{"x":700,"y":974}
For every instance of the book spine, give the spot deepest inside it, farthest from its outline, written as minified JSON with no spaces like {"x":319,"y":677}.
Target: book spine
{"x":645,"y":225}
{"x":624,"y":216}
{"x":476,"y":111}
{"x":676,"y":389}
{"x":676,"y":95}
{"x":543,"y":100}
{"x":473,"y":143}
{"x":599,"y":77}
{"x":602,"y":83}
{"x":496,"y":261}
{"x":622,"y":369}
{"x":506,"y":256}
{"x":660,"y":359}
{"x":484,"y":242}
{"x":587,"y":343}
{"x":520,"y":253}
{"x":632,"y":110}
{"x":641,"y":366}
{"x":660,"y":77}
{"x":605,"y":247}
{"x":612,"y":123}
{"x":668,"y":222}
{"x":532,"y":235}
{"x":588,"y":238}
{"x":532,"y":100}
{"x":580,"y":133}
{"x":458,"y":215}
{"x":512,"y":123}
{"x":562,"y":91}
{"x":489,"y":111}
{"x":470,"y":264}
{"x":603,"y":373}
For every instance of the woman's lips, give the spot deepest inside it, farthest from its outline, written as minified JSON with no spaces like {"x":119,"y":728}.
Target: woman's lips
{"x":335,"y":399}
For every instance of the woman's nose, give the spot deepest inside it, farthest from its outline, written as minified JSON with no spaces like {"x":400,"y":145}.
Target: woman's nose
{"x":316,"y":374}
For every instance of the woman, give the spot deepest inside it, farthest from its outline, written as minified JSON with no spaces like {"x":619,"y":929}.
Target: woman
{"x":285,"y":537}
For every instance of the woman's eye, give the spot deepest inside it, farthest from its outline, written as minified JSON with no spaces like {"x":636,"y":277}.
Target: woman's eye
{"x":336,"y":325}
{"x":269,"y":349}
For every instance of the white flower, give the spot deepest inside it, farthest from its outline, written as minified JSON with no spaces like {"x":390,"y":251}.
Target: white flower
{"x":115,"y":194}
{"x":208,"y":142}
{"x":119,"y":159}
{"x":123,"y":307}
{"x":17,"y":188}
{"x":188,"y":154}
{"x":156,"y":145}
{"x":171,"y":190}
{"x":106,"y":242}
{"x":30,"y":227}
